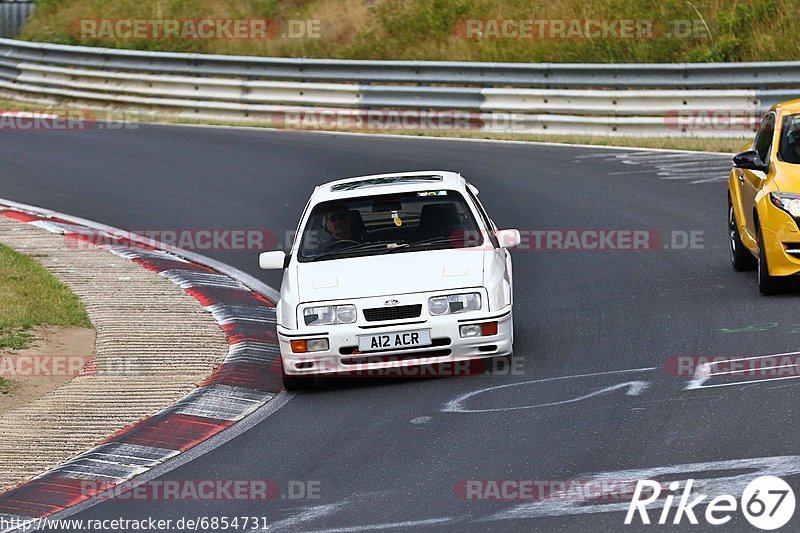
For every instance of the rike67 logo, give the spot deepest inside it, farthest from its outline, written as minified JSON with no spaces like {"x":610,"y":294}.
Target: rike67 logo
{"x":767,"y":503}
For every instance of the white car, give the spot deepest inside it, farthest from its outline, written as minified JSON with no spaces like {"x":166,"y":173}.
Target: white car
{"x":389,"y":271}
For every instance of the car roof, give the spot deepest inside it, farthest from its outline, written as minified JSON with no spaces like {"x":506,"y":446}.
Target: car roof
{"x":789,"y":107}
{"x":390,"y":183}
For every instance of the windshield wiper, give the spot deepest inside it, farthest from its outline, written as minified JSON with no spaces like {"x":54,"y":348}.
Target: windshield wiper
{"x":433,"y":241}
{"x":362,"y":247}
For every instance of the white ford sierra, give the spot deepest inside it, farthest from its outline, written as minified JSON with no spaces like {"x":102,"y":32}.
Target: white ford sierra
{"x":393,"y":270}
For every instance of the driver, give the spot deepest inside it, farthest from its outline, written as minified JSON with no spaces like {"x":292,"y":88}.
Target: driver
{"x":792,"y":152}
{"x":338,"y":221}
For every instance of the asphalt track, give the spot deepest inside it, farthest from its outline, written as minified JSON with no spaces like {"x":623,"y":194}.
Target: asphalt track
{"x":594,"y":329}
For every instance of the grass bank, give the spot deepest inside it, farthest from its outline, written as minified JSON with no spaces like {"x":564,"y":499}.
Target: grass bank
{"x":565,"y":30}
{"x":30,"y":296}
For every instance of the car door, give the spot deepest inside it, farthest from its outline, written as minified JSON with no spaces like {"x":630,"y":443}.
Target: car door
{"x":503,"y":254}
{"x":752,"y":181}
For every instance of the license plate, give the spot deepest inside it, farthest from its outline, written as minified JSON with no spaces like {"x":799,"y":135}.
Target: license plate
{"x":395,"y":340}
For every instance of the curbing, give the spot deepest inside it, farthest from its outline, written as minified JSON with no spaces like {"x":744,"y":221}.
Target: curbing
{"x":247,"y":379}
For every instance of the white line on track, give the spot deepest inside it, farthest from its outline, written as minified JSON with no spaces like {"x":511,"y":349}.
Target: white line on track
{"x":705,"y":372}
{"x":634,"y":388}
{"x":378,"y":527}
{"x":695,"y":168}
{"x":306,"y":515}
{"x":713,"y":477}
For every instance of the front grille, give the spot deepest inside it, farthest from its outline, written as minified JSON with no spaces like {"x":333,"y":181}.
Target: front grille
{"x":399,"y":312}
{"x":792,"y":247}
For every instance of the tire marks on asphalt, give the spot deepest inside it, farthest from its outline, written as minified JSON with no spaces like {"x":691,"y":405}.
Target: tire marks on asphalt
{"x":696,"y":168}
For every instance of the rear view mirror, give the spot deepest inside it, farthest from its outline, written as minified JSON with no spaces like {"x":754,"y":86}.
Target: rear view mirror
{"x":750,"y":160}
{"x":272,"y":260}
{"x":386,"y":207}
{"x":508,"y":238}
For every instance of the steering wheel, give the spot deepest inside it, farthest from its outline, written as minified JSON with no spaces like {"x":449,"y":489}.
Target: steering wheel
{"x":335,"y":245}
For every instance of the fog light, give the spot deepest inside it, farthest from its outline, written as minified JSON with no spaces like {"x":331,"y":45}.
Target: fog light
{"x":317,"y":345}
{"x":489,"y":328}
{"x":479,"y":330}
{"x":309,"y":345}
{"x":472,"y":330}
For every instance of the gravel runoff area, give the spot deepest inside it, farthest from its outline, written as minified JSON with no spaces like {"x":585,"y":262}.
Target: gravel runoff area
{"x":155,"y":343}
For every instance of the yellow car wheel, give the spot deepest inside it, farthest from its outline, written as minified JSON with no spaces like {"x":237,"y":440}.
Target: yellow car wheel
{"x":741,"y":258}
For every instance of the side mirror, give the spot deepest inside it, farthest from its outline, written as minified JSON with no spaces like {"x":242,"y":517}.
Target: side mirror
{"x":272,"y":260}
{"x":750,"y":160}
{"x":508,"y":238}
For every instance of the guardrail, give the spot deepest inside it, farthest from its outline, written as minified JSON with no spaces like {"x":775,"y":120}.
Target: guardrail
{"x":13,"y":14}
{"x":720,"y":100}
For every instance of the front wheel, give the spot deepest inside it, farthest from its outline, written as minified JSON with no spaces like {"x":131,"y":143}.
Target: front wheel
{"x":296,"y":383}
{"x":767,"y":284}
{"x":741,"y":258}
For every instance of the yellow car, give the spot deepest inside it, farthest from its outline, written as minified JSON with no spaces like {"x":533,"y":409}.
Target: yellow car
{"x":764,"y":200}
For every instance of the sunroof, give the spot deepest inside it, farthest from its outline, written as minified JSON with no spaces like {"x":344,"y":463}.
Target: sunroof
{"x":390,"y":180}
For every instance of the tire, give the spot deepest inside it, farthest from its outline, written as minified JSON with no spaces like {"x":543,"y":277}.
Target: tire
{"x":767,"y":284}
{"x":498,"y":364}
{"x":741,"y":258}
{"x":296,"y":383}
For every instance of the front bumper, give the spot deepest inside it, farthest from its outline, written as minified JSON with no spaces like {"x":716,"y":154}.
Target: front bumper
{"x":448,"y":346}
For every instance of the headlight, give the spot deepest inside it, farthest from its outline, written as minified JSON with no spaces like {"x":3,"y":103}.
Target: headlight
{"x":789,"y":202}
{"x":455,"y":303}
{"x":326,"y":315}
{"x":345,"y":314}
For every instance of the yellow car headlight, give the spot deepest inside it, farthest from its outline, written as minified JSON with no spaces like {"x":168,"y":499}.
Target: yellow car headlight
{"x":789,"y":202}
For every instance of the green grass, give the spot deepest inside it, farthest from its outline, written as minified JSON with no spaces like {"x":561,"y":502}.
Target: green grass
{"x":15,"y":339}
{"x":729,"y":30}
{"x":31,"y":296}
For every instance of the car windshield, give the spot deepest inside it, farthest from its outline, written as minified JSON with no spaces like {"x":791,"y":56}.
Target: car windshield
{"x":789,"y":147}
{"x":394,"y":223}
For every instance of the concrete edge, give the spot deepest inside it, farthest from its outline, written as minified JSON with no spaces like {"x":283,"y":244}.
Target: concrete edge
{"x":435,"y":138}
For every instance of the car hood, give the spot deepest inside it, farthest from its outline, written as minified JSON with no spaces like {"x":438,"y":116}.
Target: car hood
{"x":397,"y":273}
{"x":788,"y":178}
